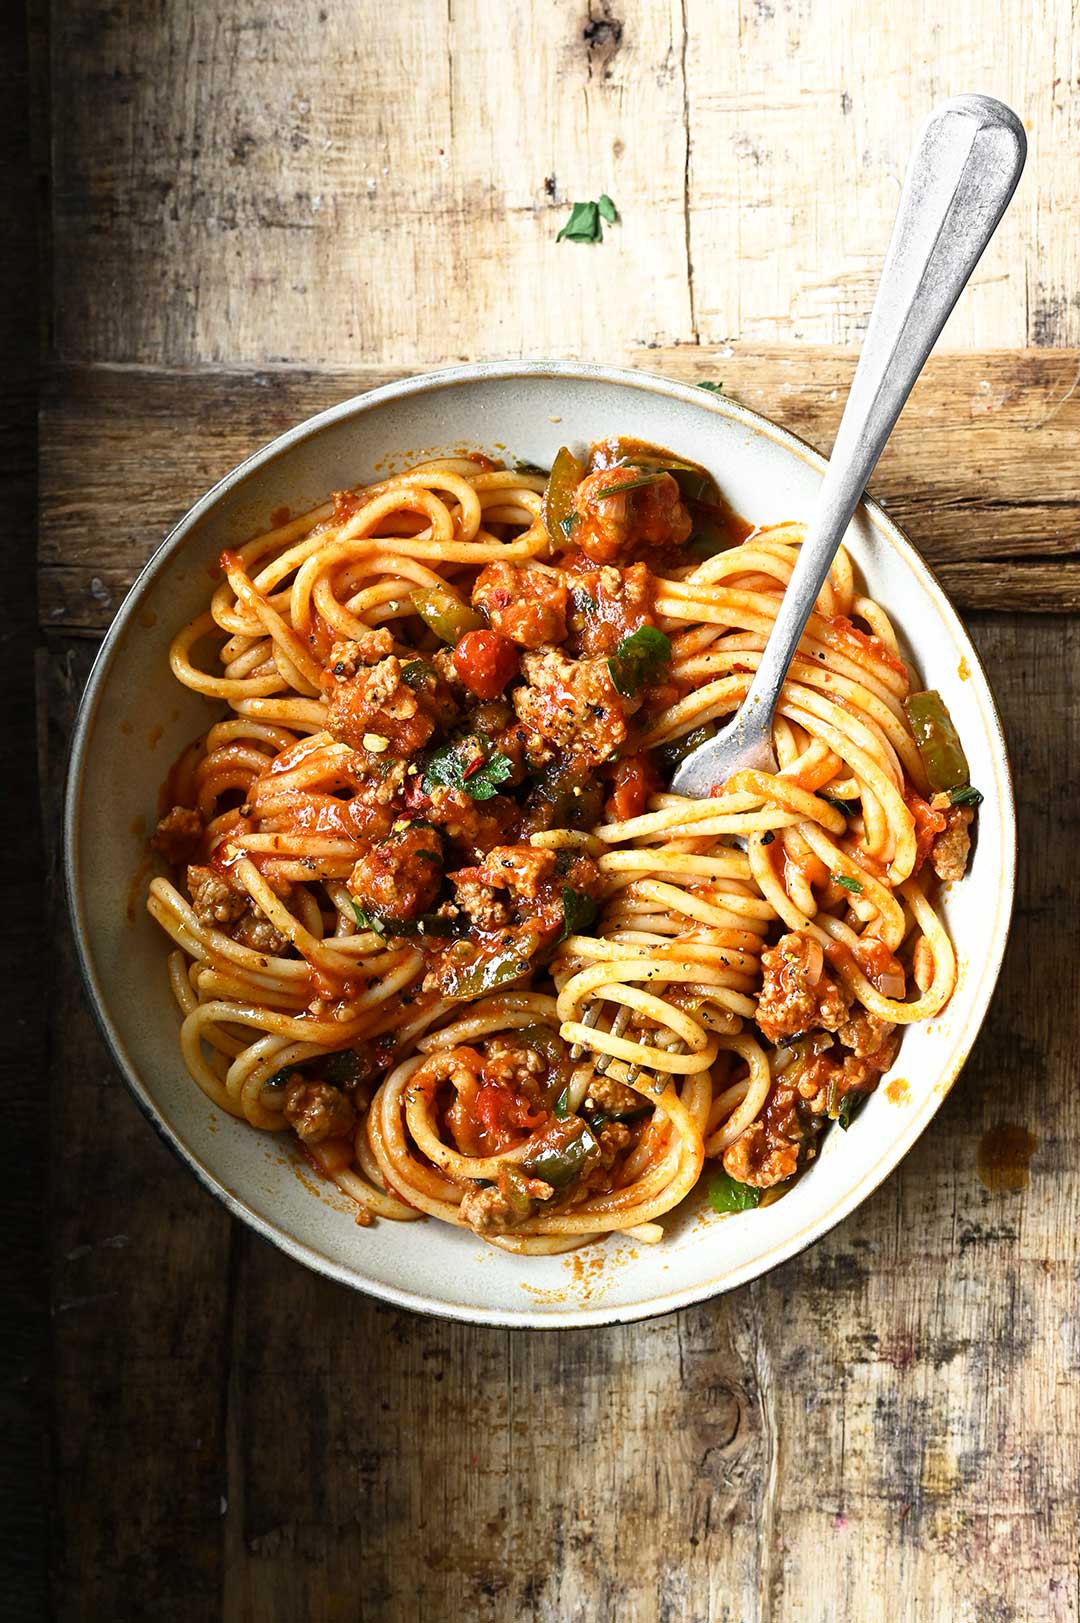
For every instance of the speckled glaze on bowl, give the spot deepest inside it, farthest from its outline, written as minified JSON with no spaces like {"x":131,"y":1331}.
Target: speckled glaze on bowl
{"x":521,"y":411}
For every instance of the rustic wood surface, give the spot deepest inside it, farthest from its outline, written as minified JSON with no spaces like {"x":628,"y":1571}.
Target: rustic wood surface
{"x":257,"y":208}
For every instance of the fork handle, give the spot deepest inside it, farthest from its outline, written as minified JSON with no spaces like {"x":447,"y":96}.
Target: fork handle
{"x":965,"y":168}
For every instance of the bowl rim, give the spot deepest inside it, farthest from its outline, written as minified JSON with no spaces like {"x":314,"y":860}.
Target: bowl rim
{"x":567,"y":1317}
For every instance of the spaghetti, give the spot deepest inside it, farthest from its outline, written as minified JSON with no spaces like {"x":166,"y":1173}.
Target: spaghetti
{"x":433,"y":907}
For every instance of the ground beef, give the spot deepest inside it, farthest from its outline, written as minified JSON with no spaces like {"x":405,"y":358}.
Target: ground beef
{"x":610,"y":528}
{"x":804,"y":1097}
{"x":475,"y":824}
{"x":485,"y":907}
{"x":507,"y":875}
{"x":865,"y":1035}
{"x":509,"y":1063}
{"x":526,"y":605}
{"x":607,"y":605}
{"x":488,"y":1211}
{"x":950,"y":850}
{"x":316,"y":1111}
{"x":573,"y":704}
{"x":615,"y":1098}
{"x":223,"y":905}
{"x":371,"y":708}
{"x":178,"y":836}
{"x":216,"y":901}
{"x":522,"y":883}
{"x":400,"y":877}
{"x":796,"y":993}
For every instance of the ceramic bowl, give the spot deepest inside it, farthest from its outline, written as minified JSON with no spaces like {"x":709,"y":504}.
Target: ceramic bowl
{"x":135,"y":719}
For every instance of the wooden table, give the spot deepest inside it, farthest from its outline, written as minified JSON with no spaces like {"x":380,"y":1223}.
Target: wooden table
{"x":260,"y":207}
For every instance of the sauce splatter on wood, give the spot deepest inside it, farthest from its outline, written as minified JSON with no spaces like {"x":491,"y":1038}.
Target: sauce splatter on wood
{"x":1004,"y":1158}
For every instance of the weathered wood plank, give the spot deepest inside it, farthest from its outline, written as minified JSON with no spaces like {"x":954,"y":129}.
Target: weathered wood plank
{"x":24,"y":1284}
{"x":141,"y":1302}
{"x":389,"y":179}
{"x":982,"y":469}
{"x":336,"y":184}
{"x":888,"y":1426}
{"x":801,"y":121}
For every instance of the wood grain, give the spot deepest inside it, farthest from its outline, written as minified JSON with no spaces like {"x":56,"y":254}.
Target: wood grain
{"x":982,"y":470}
{"x":886,"y":1427}
{"x":214,"y":164}
{"x":260,"y":208}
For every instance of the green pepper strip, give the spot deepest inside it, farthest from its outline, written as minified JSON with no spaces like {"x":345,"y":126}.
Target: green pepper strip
{"x":558,"y":503}
{"x":937,"y":740}
{"x":561,"y":1166}
{"x":445,"y":614}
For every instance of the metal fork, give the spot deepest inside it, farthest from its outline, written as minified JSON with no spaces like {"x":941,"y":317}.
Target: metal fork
{"x":964,"y":171}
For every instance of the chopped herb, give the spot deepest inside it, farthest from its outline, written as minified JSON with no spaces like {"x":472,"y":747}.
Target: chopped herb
{"x":568,"y":524}
{"x":467,"y":764}
{"x":531,"y":468}
{"x":343,"y":1068}
{"x":849,"y":1104}
{"x":848,"y":807}
{"x":578,"y":912}
{"x":583,"y":224}
{"x":727,"y":1194}
{"x":639,"y":659}
{"x":966,"y":796}
{"x":417,"y":672}
{"x":675,"y":751}
{"x":368,"y":921}
{"x":848,"y":884}
{"x":561,"y":1107}
{"x":714,"y":388}
{"x":768,"y":837}
{"x":631,"y":484}
{"x":279,"y":1078}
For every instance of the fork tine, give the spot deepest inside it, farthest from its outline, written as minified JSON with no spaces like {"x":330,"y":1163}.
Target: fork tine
{"x":589,"y":1018}
{"x":618,"y":1026}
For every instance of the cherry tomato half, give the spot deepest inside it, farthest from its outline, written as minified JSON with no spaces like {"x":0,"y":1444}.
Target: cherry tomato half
{"x":485,"y":661}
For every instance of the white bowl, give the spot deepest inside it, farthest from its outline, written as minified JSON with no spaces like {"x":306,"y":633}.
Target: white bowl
{"x":135,"y":719}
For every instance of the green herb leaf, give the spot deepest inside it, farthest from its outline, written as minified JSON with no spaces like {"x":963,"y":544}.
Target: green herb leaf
{"x":768,"y":837}
{"x":578,"y":912}
{"x":639,"y":659}
{"x":561,"y":1107}
{"x":726,"y":1194}
{"x":367,"y":921}
{"x":568,"y":524}
{"x":583,"y":224}
{"x":714,"y":388}
{"x":279,"y":1078}
{"x":848,"y":884}
{"x":966,"y":796}
{"x":848,"y":807}
{"x":532,"y":468}
{"x":675,"y":751}
{"x":607,"y":208}
{"x":417,"y":673}
{"x":850,"y":1104}
{"x":631,"y":484}
{"x":467,"y":764}
{"x":343,"y":1068}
